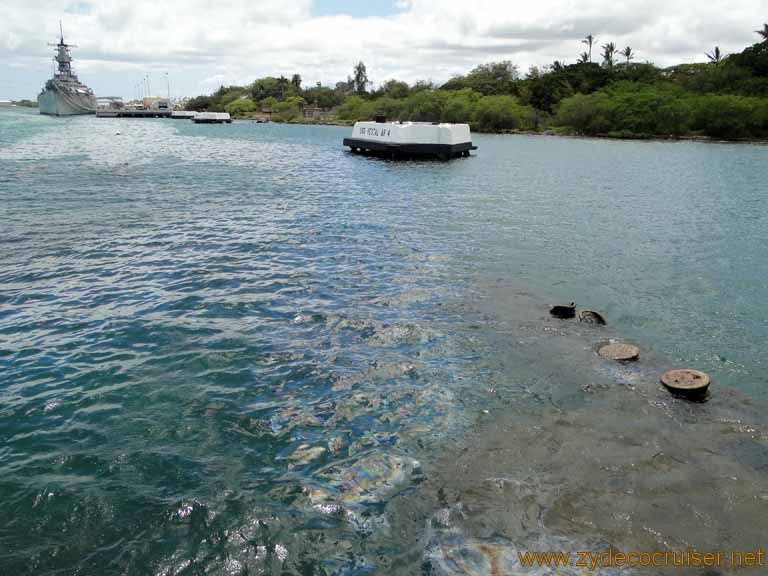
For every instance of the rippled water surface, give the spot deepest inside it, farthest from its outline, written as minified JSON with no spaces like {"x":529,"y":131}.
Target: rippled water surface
{"x":239,"y":349}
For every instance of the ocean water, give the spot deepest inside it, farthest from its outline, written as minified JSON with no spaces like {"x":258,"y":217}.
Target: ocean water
{"x":239,"y":349}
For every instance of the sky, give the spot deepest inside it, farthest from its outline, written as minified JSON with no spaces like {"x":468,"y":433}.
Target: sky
{"x":191,"y":47}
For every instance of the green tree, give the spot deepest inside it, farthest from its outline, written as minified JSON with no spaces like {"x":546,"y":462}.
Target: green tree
{"x":609,"y":52}
{"x":420,"y":85}
{"x":547,"y":90}
{"x":584,"y":114}
{"x":716,"y":56}
{"x":296,"y":82}
{"x":360,"y":78}
{"x":726,"y":78}
{"x":753,"y":58}
{"x":643,"y":72}
{"x":269,"y":103}
{"x":266,"y":87}
{"x":724,"y":116}
{"x":356,"y":108}
{"x":396,"y":89}
{"x":763,"y":33}
{"x":240,"y":106}
{"x":391,"y":108}
{"x":323,"y":96}
{"x":633,"y":108}
{"x":288,"y":110}
{"x":491,"y":78}
{"x":533,"y":73}
{"x":345,"y":87}
{"x":460,"y":106}
{"x":284,"y":86}
{"x":628,"y":54}
{"x":628,"y":109}
{"x":199,"y":103}
{"x":494,"y":113}
{"x":589,"y":40}
{"x":673,"y":117}
{"x":425,"y":105}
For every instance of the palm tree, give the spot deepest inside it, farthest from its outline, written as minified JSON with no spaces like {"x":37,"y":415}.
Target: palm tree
{"x":716,"y":57}
{"x":583,"y":59}
{"x":282,"y":84}
{"x":589,"y":40}
{"x":609,"y":50}
{"x":763,"y":32}
{"x":628,"y":54}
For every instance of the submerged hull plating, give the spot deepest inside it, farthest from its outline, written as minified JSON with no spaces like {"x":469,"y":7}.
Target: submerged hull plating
{"x":65,"y":103}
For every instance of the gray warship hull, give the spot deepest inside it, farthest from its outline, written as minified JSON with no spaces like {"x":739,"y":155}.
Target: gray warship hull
{"x":56,"y":102}
{"x":64,"y":94}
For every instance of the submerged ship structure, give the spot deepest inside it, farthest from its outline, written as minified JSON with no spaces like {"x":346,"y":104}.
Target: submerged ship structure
{"x":64,"y":94}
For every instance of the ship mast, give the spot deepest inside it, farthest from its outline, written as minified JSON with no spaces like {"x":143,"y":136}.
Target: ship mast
{"x":62,"y":58}
{"x":64,"y":94}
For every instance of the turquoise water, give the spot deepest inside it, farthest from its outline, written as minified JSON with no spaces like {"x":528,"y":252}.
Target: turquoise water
{"x":239,"y":349}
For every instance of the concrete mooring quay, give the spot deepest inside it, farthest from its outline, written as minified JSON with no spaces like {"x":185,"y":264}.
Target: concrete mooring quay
{"x":126,"y":113}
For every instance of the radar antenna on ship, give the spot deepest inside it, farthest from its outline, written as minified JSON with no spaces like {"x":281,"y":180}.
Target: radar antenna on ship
{"x":62,"y":57}
{"x":64,"y":94}
{"x":61,"y":38}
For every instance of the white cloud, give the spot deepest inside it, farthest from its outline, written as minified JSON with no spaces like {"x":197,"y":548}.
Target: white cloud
{"x":203,"y":43}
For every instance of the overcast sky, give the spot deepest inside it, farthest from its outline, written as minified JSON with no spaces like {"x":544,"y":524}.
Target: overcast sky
{"x":202,"y":44}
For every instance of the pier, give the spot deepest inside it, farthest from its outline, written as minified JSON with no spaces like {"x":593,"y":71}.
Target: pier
{"x":128,"y":113}
{"x":183,"y":114}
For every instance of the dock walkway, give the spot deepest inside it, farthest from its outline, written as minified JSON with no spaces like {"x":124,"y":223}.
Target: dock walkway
{"x":107,"y":113}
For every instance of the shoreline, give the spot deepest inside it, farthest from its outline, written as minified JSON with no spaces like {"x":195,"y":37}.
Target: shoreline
{"x":551,"y":133}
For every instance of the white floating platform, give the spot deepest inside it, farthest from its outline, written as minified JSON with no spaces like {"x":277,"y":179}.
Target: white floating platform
{"x":409,"y":139}
{"x":212,"y":118}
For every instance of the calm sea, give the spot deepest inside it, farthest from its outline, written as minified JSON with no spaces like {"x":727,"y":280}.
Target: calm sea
{"x":239,"y":349}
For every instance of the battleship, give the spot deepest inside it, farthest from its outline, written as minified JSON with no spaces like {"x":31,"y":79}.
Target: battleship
{"x":64,"y":94}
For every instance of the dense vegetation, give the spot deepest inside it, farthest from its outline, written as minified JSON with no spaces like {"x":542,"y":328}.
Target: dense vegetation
{"x":26,"y":103}
{"x":725,"y":98}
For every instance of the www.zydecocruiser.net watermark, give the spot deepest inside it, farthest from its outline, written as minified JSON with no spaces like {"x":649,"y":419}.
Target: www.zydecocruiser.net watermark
{"x":615,"y":559}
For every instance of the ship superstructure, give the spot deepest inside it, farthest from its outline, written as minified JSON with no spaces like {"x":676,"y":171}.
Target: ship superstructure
{"x":64,"y":94}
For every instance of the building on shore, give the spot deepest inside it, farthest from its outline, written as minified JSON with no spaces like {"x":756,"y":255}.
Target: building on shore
{"x":110,"y":102}
{"x":157,"y":104}
{"x":315,"y":113}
